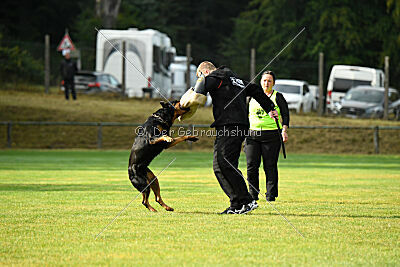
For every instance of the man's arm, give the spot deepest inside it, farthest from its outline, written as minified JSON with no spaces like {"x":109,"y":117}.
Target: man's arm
{"x":257,"y":93}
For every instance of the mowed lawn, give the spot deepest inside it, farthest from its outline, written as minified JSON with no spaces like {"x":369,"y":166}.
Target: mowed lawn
{"x":54,"y":203}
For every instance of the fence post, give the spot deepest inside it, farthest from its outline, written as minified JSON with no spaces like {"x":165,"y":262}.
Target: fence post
{"x":376,"y":139}
{"x":188,"y":61}
{"x":9,"y":130}
{"x":252,"y":63}
{"x":99,"y":135}
{"x":386,"y":85}
{"x":46,"y":63}
{"x":123,"y":78}
{"x":321,"y":99}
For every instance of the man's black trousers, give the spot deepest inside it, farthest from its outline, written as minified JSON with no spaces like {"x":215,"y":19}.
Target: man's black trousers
{"x":227,"y":147}
{"x":270,"y":154}
{"x":69,"y":85}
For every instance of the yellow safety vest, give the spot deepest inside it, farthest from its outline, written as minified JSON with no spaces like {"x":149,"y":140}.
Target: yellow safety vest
{"x":259,"y":119}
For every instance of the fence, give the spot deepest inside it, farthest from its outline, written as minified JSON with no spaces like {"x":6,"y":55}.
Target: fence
{"x":190,"y":128}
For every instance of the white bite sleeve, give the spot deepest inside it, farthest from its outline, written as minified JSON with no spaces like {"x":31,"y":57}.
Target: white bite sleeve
{"x":191,"y":100}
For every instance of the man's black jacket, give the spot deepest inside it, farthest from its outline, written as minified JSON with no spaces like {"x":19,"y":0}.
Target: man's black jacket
{"x":68,"y":69}
{"x":228,"y":93}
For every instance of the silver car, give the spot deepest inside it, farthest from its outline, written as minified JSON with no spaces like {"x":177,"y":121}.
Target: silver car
{"x":91,"y":82}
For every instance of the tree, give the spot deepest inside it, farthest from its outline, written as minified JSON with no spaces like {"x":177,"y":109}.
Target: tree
{"x":348,"y":32}
{"x":391,"y":43}
{"x":108,"y":12}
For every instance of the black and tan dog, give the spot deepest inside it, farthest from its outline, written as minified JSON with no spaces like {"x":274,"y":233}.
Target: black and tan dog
{"x":152,"y":138}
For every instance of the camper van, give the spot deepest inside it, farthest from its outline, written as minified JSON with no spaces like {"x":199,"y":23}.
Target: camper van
{"x":178,"y":76}
{"x":149,"y":54}
{"x":344,"y":77}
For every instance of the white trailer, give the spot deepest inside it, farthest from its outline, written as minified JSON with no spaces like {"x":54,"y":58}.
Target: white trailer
{"x":178,"y":76}
{"x":149,"y":54}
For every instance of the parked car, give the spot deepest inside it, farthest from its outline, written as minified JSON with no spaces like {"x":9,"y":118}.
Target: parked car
{"x":296,"y":93}
{"x":366,"y":102}
{"x":395,"y":106}
{"x":344,"y":77}
{"x":94,"y":82}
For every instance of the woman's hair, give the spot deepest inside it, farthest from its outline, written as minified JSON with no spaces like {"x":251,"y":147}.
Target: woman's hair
{"x":270,"y":72}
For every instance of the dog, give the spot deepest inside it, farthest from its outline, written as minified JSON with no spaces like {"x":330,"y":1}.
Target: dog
{"x":152,"y":138}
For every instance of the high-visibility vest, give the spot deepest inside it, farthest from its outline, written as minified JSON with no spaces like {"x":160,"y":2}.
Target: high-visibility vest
{"x":259,"y":119}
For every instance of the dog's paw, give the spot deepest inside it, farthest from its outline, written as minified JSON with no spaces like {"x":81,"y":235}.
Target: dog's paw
{"x":169,"y":209}
{"x":168,"y":139}
{"x":192,"y":138}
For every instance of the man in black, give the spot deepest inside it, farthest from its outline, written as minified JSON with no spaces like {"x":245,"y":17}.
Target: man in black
{"x":228,"y":93}
{"x":68,"y":69}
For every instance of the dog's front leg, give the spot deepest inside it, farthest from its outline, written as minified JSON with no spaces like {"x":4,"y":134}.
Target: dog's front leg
{"x":164,"y":138}
{"x":181,"y":139}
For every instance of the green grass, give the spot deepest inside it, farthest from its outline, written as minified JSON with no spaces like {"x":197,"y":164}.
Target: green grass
{"x":54,"y":203}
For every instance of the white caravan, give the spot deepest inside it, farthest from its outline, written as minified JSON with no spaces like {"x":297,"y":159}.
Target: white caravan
{"x":344,"y":77}
{"x":178,"y":76}
{"x":149,"y":54}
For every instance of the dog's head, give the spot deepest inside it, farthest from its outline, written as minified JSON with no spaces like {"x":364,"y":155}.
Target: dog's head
{"x":171,"y":110}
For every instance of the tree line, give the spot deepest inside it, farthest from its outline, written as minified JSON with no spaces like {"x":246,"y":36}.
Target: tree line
{"x":347,"y":32}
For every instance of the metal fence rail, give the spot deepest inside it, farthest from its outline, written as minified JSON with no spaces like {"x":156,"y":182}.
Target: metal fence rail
{"x":99,"y":126}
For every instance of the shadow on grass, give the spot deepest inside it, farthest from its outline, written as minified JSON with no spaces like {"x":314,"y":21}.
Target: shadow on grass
{"x":327,"y":215}
{"x":291,"y":215}
{"x":342,"y":166}
{"x":198,"y":212}
{"x":64,"y":187}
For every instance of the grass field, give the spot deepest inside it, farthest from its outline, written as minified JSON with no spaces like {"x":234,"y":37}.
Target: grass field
{"x":54,"y":203}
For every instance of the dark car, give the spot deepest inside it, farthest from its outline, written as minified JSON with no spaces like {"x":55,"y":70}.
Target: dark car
{"x":366,"y":102}
{"x":95,"y":82}
{"x":395,"y":106}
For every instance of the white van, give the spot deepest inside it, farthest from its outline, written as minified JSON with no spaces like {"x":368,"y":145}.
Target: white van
{"x":344,"y":77}
{"x":149,"y":53}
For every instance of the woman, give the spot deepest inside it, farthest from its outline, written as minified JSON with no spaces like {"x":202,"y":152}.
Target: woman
{"x":263,"y":140}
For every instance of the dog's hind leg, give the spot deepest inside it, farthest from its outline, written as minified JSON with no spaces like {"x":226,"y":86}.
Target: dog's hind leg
{"x":155,"y":186}
{"x":145,"y":200}
{"x":138,"y":177}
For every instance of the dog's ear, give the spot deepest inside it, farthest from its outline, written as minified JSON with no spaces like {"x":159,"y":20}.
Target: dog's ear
{"x":164,"y":104}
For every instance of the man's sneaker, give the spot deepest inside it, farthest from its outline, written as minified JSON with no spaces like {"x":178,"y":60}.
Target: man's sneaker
{"x":229,"y":210}
{"x":254,"y":204}
{"x":243,"y":210}
{"x":248,"y":207}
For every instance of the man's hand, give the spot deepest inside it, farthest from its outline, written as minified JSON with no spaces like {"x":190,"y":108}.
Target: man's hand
{"x":273,"y":114}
